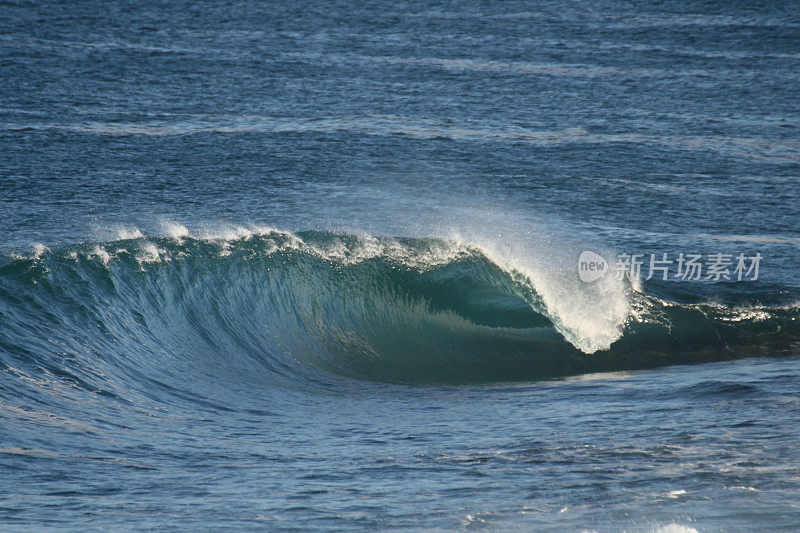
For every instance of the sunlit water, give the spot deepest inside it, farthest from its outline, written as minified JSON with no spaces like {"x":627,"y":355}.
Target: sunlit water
{"x":314,"y":266}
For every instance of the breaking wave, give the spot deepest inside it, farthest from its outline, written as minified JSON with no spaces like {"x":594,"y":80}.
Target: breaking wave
{"x":315,"y":308}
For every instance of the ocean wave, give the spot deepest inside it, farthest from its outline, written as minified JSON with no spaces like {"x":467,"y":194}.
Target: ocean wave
{"x":316,"y":307}
{"x":747,"y":148}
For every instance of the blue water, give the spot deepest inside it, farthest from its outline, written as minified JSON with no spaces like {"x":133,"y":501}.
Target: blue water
{"x":314,"y":266}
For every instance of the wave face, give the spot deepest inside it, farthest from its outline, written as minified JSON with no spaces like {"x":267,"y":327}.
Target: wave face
{"x":314,"y":308}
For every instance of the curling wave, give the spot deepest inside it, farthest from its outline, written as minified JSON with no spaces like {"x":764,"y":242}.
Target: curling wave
{"x":317,"y":307}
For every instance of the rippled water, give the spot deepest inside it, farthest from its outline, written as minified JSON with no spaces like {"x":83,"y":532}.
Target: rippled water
{"x":314,"y":266}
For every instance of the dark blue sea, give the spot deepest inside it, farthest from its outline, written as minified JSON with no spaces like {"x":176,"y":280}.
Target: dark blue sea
{"x":358,"y":266}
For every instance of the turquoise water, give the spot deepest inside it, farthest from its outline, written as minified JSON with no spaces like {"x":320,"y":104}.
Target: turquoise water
{"x":316,"y":266}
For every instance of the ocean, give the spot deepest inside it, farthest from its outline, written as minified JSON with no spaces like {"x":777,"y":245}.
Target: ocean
{"x":347,"y":266}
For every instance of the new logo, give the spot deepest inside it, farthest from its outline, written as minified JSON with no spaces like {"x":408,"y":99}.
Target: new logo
{"x":591,"y":266}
